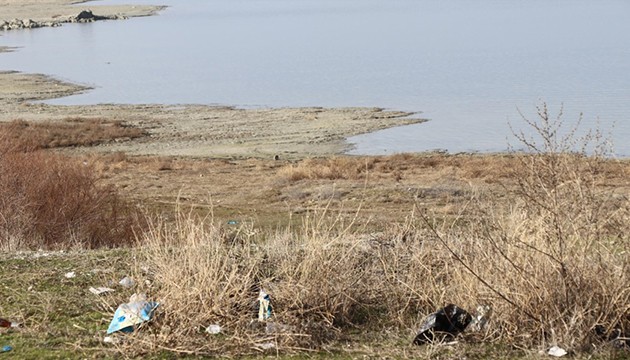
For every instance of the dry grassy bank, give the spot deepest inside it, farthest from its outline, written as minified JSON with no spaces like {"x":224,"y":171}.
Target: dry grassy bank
{"x":354,"y":251}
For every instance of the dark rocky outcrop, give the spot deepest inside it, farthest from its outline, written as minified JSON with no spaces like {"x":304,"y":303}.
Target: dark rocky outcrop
{"x":86,"y":16}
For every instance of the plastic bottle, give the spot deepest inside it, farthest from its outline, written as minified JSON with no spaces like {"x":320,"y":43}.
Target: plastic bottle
{"x":264,"y":306}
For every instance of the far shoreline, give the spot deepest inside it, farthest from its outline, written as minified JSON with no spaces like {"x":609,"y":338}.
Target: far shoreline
{"x":31,"y":14}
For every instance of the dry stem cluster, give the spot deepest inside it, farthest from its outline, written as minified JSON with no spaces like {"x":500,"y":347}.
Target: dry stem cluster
{"x":54,"y":201}
{"x":550,"y":256}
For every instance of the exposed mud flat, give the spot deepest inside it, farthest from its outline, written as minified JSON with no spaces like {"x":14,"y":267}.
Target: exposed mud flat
{"x":199,"y":130}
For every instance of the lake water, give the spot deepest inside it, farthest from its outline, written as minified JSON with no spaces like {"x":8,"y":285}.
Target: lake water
{"x":467,"y":65}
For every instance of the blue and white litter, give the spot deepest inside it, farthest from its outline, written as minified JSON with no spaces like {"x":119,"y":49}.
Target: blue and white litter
{"x":135,"y":312}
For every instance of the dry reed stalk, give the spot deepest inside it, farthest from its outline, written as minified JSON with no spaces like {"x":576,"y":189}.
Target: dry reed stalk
{"x":322,"y":278}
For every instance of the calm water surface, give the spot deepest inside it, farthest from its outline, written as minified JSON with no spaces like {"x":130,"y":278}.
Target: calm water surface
{"x":465,"y":65}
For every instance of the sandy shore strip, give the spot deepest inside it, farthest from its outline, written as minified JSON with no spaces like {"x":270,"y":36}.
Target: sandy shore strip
{"x":184,"y":130}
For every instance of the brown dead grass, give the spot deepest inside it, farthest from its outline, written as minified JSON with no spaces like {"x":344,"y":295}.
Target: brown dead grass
{"x":267,"y":192}
{"x":487,"y":168}
{"x":541,"y":237}
{"x":328,"y":278}
{"x":71,"y":132}
{"x":329,"y":169}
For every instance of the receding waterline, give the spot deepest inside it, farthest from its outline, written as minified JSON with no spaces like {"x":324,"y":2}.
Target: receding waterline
{"x":467,"y":66}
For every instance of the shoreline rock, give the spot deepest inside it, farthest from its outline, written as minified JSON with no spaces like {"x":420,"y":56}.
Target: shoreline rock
{"x":17,"y":24}
{"x":84,"y":16}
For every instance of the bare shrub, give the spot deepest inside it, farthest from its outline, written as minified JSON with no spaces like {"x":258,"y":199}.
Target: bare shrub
{"x":202,"y":279}
{"x":551,"y":255}
{"x":53,"y":201}
{"x":324,"y":280}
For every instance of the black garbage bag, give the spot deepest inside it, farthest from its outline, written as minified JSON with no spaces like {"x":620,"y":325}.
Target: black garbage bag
{"x":443,"y":325}
{"x":616,"y":336}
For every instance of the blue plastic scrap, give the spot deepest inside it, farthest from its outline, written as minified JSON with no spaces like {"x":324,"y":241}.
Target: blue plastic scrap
{"x":136,"y":311}
{"x":6,"y":348}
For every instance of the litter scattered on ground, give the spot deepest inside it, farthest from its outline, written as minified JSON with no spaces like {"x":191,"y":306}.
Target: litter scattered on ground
{"x":70,"y":275}
{"x":135,"y":312}
{"x":273,"y":327}
{"x":232,"y":222}
{"x":127,"y":282}
{"x":43,"y":254}
{"x":6,"y":348}
{"x":556,"y":351}
{"x":480,"y":318}
{"x":443,"y":325}
{"x":100,"y":290}
{"x":267,"y":345}
{"x":8,"y":324}
{"x":213,"y":329}
{"x":110,"y":340}
{"x":615,"y":336}
{"x":264,"y":306}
